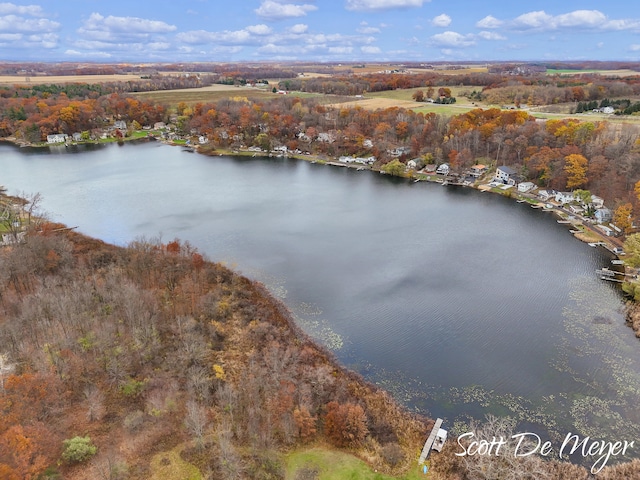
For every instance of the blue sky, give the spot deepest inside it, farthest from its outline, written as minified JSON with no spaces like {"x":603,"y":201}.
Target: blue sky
{"x":318,"y":30}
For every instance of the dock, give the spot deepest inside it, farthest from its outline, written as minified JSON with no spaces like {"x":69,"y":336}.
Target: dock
{"x":428,"y":445}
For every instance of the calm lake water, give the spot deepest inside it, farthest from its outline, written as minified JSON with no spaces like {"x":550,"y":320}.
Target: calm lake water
{"x":458,"y":302}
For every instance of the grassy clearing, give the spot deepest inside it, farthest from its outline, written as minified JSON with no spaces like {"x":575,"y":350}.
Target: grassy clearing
{"x":335,"y":465}
{"x":170,"y":466}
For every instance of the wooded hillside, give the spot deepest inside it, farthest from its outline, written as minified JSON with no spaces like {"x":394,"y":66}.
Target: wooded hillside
{"x":113,"y":355}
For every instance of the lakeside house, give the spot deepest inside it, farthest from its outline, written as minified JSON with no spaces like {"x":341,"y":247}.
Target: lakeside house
{"x":525,"y":187}
{"x":565,"y":197}
{"x":57,"y":138}
{"x":443,"y":169}
{"x":477,"y":171}
{"x":506,"y":175}
{"x":603,"y":215}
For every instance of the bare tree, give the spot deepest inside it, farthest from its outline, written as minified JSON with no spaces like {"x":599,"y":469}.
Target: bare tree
{"x":196,"y":421}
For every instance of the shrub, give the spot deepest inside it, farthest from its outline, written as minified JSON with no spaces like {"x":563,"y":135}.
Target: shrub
{"x":78,"y":449}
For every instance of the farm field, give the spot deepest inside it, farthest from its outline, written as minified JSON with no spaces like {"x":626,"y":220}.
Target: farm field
{"x":212,"y":93}
{"x":604,"y":73}
{"x":56,"y":79}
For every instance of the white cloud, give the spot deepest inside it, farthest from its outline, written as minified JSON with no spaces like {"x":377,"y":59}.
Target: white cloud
{"x":340,"y":50}
{"x":272,"y":10}
{"x":367,"y":5}
{"x":370,"y":50}
{"x":299,"y":28}
{"x":10,"y":8}
{"x":97,"y":22}
{"x":489,"y":22}
{"x":258,"y":29}
{"x":533,"y":20}
{"x":14,"y":23}
{"x":635,"y":47}
{"x":452,"y":40}
{"x":201,"y":37}
{"x":368,"y":30}
{"x":592,"y":20}
{"x":443,"y":20}
{"x":491,"y":36}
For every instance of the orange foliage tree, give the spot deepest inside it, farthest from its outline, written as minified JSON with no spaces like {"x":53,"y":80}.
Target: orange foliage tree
{"x":345,"y":425}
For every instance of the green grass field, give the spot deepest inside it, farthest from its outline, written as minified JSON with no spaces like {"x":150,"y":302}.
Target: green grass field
{"x":336,"y":465}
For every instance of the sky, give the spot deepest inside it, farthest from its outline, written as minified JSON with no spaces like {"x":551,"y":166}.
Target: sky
{"x":319,"y":30}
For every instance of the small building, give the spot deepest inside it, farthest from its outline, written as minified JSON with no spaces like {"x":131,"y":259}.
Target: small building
{"x":506,"y":175}
{"x":57,"y":138}
{"x":399,"y":151}
{"x":411,"y":164}
{"x":77,"y":137}
{"x":443,"y":169}
{"x":478,"y":170}
{"x":606,"y":230}
{"x":430,"y":168}
{"x":564,"y":197}
{"x":525,"y":187}
{"x":441,"y":437}
{"x":546,"y":194}
{"x":159,"y":125}
{"x":597,"y":202}
{"x":603,"y":215}
{"x":120,"y":125}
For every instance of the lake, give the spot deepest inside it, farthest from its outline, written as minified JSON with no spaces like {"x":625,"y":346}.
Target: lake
{"x":459,"y":303}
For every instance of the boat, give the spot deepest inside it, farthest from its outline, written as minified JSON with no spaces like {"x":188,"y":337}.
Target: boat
{"x":617,"y":262}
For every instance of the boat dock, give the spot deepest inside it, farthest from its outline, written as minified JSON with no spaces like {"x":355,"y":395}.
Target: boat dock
{"x":428,"y":445}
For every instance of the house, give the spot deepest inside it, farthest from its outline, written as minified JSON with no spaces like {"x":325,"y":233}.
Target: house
{"x":159,"y":125}
{"x":526,"y":186}
{"x":57,"y":138}
{"x":120,"y":125}
{"x":564,"y":197}
{"x":577,"y":209}
{"x":430,"y":168}
{"x":603,"y":215}
{"x":77,"y":137}
{"x":506,"y":175}
{"x":597,"y":202}
{"x":478,"y":170}
{"x":411,"y":164}
{"x":367,"y":143}
{"x":546,"y":194}
{"x":325,"y":137}
{"x":443,"y":169}
{"x":202,"y":140}
{"x":398,"y":151}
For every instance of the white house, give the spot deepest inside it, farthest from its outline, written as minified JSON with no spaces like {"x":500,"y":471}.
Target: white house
{"x":564,"y":197}
{"x":443,"y":169}
{"x":57,"y":138}
{"x":202,"y":140}
{"x":597,"y":202}
{"x":411,"y":164}
{"x":526,"y":186}
{"x":120,"y":125}
{"x":546,"y":194}
{"x":505,"y":174}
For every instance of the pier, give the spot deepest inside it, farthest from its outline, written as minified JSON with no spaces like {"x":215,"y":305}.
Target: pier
{"x":428,"y":445}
